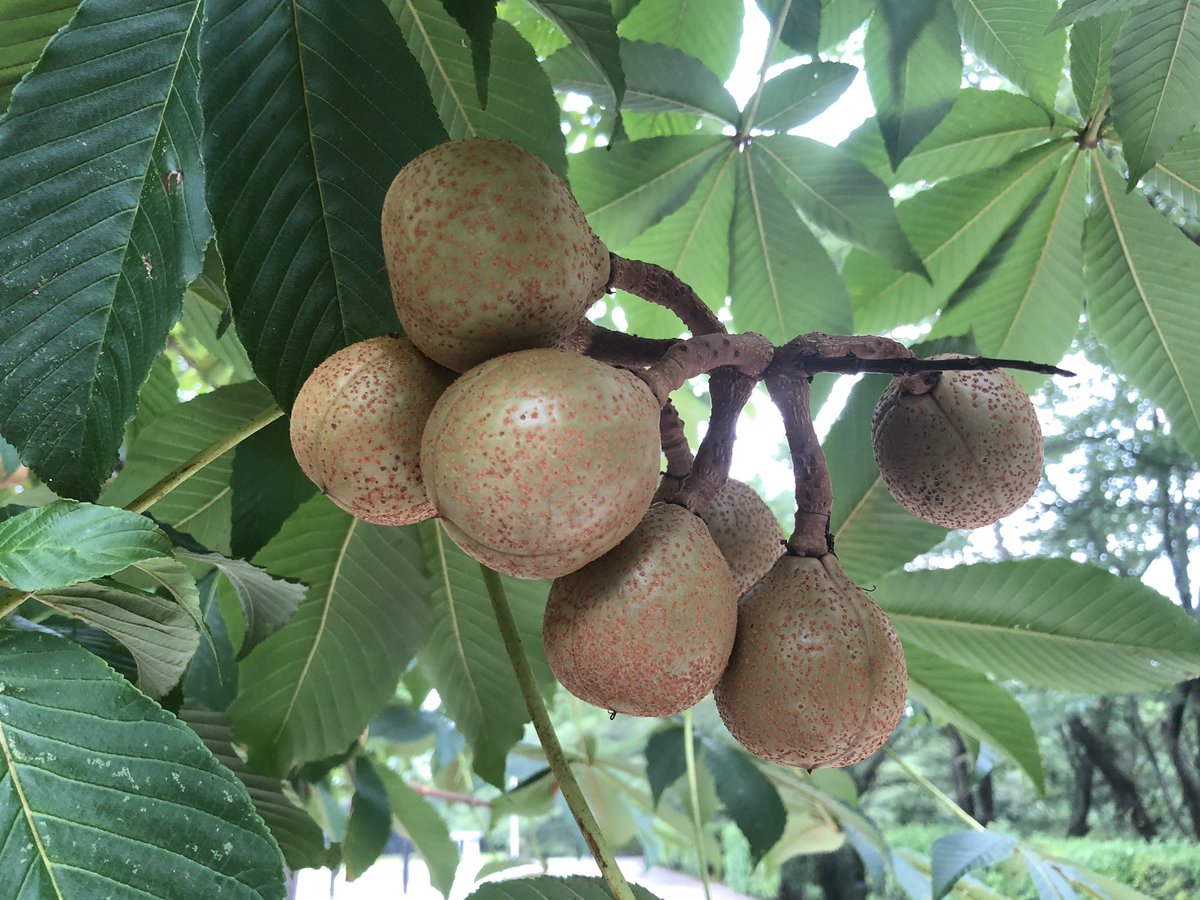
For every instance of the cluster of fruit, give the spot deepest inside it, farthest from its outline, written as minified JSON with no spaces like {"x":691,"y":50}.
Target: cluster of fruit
{"x":544,"y":463}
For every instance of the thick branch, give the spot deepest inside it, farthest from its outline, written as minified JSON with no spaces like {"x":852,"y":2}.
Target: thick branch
{"x":616,"y":348}
{"x":729,"y":390}
{"x":814,"y":490}
{"x":662,"y":286}
{"x":749,"y":353}
{"x":674,"y":442}
{"x":800,"y":358}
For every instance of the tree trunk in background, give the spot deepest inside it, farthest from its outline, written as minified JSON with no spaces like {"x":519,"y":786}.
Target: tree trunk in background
{"x":1126,"y":798}
{"x":1186,"y":694}
{"x":1133,"y":719}
{"x":987,"y":800}
{"x":960,"y":766}
{"x":1081,"y":797}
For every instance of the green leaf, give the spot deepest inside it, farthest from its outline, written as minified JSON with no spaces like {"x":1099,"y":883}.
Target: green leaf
{"x":659,"y":79}
{"x":592,"y":28}
{"x":1140,"y":273}
{"x":465,"y":656}
{"x":267,"y":486}
{"x":952,"y":226}
{"x":626,"y":188}
{"x":25,"y":27}
{"x":1046,"y":622}
{"x":211,"y":678}
{"x":82,"y":749}
{"x":914,"y":66}
{"x":983,"y":129}
{"x":748,"y":796}
{"x":299,"y":837}
{"x":300,"y":152}
{"x":1092,"y":43}
{"x":50,"y":547}
{"x":1024,"y":299}
{"x":782,"y":281}
{"x":521,"y":106}
{"x":801,"y":26}
{"x":311,"y":688}
{"x":199,"y":335}
{"x":1048,"y":879}
{"x":534,"y":796}
{"x":267,"y":603}
{"x":872,"y":533}
{"x":417,"y":818}
{"x":1155,"y":80}
{"x":159,"y":395}
{"x":954,"y":855}
{"x":665,"y":761}
{"x":102,"y":223}
{"x":709,"y":30}
{"x":370,"y":821}
{"x":977,"y":707}
{"x":841,"y":18}
{"x":1177,"y":175}
{"x":201,"y":505}
{"x":546,"y":887}
{"x":1078,"y":10}
{"x":837,"y":192}
{"x":793,"y":97}
{"x":478,"y":20}
{"x":1011,"y":36}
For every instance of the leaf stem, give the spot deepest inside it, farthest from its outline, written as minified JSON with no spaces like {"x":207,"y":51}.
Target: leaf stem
{"x":1091,"y":134}
{"x":933,"y":789}
{"x":178,"y":476}
{"x":601,"y":852}
{"x":689,"y":755}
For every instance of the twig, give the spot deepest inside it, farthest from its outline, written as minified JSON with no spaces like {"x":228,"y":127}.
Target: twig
{"x":664,"y":287}
{"x":749,"y":353}
{"x":814,"y":490}
{"x":794,"y":361}
{"x":729,"y":390}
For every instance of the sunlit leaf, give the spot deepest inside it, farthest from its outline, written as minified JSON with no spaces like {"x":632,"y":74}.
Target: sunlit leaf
{"x":25,"y":27}
{"x":800,"y":29}
{"x":1011,"y":36}
{"x":1177,"y":175}
{"x":1078,"y":10}
{"x":794,"y":96}
{"x":706,"y":29}
{"x":1092,"y":43}
{"x":841,"y":18}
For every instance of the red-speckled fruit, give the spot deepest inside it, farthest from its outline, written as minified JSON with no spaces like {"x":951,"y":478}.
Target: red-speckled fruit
{"x":487,"y":252}
{"x":647,"y":628}
{"x":540,"y":461}
{"x":746,"y":531}
{"x":964,"y":455}
{"x":356,"y":428}
{"x":817,"y":675}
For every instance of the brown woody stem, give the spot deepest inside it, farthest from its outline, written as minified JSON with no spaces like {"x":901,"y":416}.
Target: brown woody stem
{"x":749,"y":353}
{"x":814,"y":490}
{"x":674,"y":442}
{"x":616,"y":348}
{"x":729,"y":390}
{"x":801,"y":358}
{"x":664,"y":287}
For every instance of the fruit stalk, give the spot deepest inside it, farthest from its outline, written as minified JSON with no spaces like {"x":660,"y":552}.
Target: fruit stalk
{"x":674,"y":443}
{"x":729,"y":390}
{"x":814,"y":489}
{"x":664,"y":287}
{"x":555,"y":757}
{"x":615,"y":348}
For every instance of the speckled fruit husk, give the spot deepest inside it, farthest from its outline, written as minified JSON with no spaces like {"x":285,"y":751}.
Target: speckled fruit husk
{"x":964,"y":455}
{"x":356,"y":428}
{"x":746,"y":531}
{"x":487,"y":252}
{"x":540,"y":461}
{"x":647,"y":628}
{"x":817,"y":675}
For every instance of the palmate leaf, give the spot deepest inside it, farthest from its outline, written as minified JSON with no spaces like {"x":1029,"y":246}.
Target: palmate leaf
{"x":107,"y":795}
{"x":782,"y":281}
{"x":546,"y":887}
{"x":311,"y":688}
{"x":1011,"y":36}
{"x":957,"y":854}
{"x":1092,"y":43}
{"x":25,"y":27}
{"x":521,"y":105}
{"x":794,"y":96}
{"x":977,"y":707}
{"x":1177,"y":175}
{"x":952,"y":226}
{"x":1046,"y":622}
{"x":478,"y":19}
{"x":709,"y":30}
{"x":1155,"y":80}
{"x":1140,"y":273}
{"x":592,"y":28}
{"x":1079,"y":10}
{"x":840,"y":19}
{"x":102,"y":223}
{"x":465,"y":658}
{"x":300,"y":153}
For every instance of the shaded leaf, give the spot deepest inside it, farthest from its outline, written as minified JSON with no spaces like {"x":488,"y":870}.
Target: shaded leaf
{"x":1012,"y":37}
{"x":665,"y":761}
{"x":299,"y":153}
{"x":1048,"y":881}
{"x":748,"y":796}
{"x":954,"y":855}
{"x":533,"y":796}
{"x":311,"y":688}
{"x":267,"y":486}
{"x":102,"y":223}
{"x":801,"y":26}
{"x":709,"y":30}
{"x":478,"y":20}
{"x":370,"y":821}
{"x":1177,"y":175}
{"x":592,"y":28}
{"x":1047,"y":623}
{"x":793,"y":97}
{"x":417,"y":818}
{"x":159,"y":395}
{"x":82,"y":747}
{"x":211,"y":679}
{"x":841,"y":18}
{"x":1092,"y":43}
{"x":545,"y":887}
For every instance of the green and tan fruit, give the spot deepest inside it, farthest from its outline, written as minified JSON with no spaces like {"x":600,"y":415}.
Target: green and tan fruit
{"x":746,"y":531}
{"x":964,"y":455}
{"x":817,"y":675}
{"x":356,"y":428}
{"x":540,"y":461}
{"x":647,"y":628}
{"x":487,"y":252}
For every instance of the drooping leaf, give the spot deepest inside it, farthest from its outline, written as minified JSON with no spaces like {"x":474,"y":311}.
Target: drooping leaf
{"x":465,"y":657}
{"x":533,"y":796}
{"x":1155,"y":80}
{"x":1092,"y":43}
{"x":103,"y":788}
{"x":709,"y":30}
{"x":1177,"y":175}
{"x":747,"y":795}
{"x":309,"y":689}
{"x":478,"y":19}
{"x":794,"y":96}
{"x":1049,"y":882}
{"x":914,"y":66}
{"x":1079,"y":10}
{"x":1140,"y":274}
{"x":977,"y":707}
{"x":267,"y":486}
{"x":546,"y":887}
{"x":954,"y":855}
{"x":521,"y":105}
{"x":299,"y":837}
{"x":628,"y":187}
{"x":592,"y":28}
{"x":1011,"y":36}
{"x":837,"y":192}
{"x":25,"y":28}
{"x":782,"y":281}
{"x":952,"y":226}
{"x":299,"y":153}
{"x":53,"y":546}
{"x":417,"y":818}
{"x":102,"y":223}
{"x":370,"y":822}
{"x":211,"y":678}
{"x":1046,"y":622}
{"x":800,"y":28}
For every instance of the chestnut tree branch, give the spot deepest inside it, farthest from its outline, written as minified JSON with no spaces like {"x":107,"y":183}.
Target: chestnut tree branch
{"x":814,"y":489}
{"x":664,"y":287}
